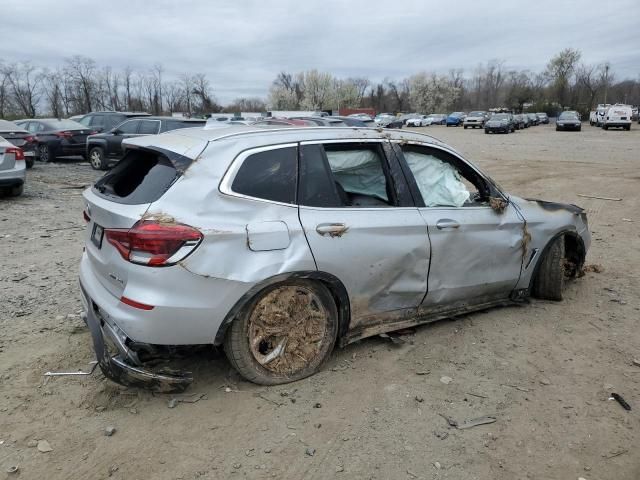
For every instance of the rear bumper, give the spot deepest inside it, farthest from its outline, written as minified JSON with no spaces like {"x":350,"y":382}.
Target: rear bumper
{"x":13,"y":177}
{"x":119,"y":363}
{"x":617,"y":124}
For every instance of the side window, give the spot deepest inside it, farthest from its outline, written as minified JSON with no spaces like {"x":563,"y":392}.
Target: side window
{"x":149,"y":127}
{"x":86,"y":121}
{"x":96,"y":121}
{"x":129,"y":127}
{"x":39,"y":127}
{"x":442,"y":179}
{"x":358,"y":171}
{"x":317,"y":187}
{"x":269,"y":175}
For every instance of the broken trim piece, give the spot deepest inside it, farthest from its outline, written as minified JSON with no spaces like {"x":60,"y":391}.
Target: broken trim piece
{"x":117,"y":368}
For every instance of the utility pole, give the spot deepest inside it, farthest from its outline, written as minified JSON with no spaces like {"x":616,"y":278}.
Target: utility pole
{"x":606,"y":82}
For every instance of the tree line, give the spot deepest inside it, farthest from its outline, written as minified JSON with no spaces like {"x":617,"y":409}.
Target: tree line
{"x":80,"y":85}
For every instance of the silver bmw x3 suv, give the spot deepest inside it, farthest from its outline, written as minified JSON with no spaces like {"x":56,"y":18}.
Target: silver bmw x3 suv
{"x":279,"y":243}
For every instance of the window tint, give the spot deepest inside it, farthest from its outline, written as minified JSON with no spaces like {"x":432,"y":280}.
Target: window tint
{"x":113,"y":120}
{"x":140,"y":177}
{"x":129,"y":127}
{"x":96,"y":121}
{"x":269,"y":175}
{"x":317,"y":187}
{"x":359,"y":174}
{"x":441,"y":178}
{"x":86,"y":121}
{"x":177,"y":124}
{"x":149,"y":127}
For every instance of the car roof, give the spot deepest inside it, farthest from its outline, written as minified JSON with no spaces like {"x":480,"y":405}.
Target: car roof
{"x":294,"y":133}
{"x":177,"y":119}
{"x":7,"y":126}
{"x":128,"y":114}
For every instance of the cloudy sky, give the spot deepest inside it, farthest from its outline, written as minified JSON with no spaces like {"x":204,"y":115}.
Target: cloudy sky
{"x":242,"y":44}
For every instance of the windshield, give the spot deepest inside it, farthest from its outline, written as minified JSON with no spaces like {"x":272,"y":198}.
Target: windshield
{"x":500,"y":116}
{"x":476,"y":114}
{"x":568,"y":116}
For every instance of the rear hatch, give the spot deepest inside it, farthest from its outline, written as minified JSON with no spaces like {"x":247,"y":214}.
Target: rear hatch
{"x":122,"y":197}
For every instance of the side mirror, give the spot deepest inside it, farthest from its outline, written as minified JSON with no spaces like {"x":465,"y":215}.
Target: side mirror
{"x":115,"y":131}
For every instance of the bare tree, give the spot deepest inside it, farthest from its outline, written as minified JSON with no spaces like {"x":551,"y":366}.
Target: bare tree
{"x":24,"y":83}
{"x":82,"y":71}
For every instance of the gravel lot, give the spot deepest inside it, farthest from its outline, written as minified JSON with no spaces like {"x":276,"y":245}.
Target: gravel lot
{"x":544,"y":370}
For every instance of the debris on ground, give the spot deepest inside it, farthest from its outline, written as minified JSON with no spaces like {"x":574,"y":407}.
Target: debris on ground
{"x":636,"y":362}
{"x":396,"y":340}
{"x":310,"y":451}
{"x":613,"y":199}
{"x":521,"y":389}
{"x":419,"y":399}
{"x":109,"y":431}
{"x":593,"y":267}
{"x":13,"y":469}
{"x":44,"y":447}
{"x":621,"y":401}
{"x":423,"y":372}
{"x":474,"y":422}
{"x":446,"y":380}
{"x":188,"y":398}
{"x":615,"y":454}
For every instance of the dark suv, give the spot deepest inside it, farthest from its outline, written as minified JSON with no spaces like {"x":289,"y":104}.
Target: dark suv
{"x":105,"y":121}
{"x":104,"y":149}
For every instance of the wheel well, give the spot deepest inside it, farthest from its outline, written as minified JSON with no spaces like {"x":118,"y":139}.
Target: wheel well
{"x":574,"y":252}
{"x":333,"y":284}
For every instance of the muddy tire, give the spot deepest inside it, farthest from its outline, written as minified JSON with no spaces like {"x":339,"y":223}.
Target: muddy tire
{"x":549,"y":281}
{"x":284,"y":334}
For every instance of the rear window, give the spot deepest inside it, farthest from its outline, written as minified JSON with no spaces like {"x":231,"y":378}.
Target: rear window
{"x":140,"y":177}
{"x":177,"y":124}
{"x":64,"y":125}
{"x":270,"y":175}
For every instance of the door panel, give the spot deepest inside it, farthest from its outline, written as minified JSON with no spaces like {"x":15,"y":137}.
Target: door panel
{"x":476,"y":253}
{"x":381,"y":255}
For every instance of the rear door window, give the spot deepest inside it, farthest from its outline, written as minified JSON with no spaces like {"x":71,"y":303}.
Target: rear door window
{"x":269,"y":175}
{"x":359,"y":174}
{"x":129,"y":127}
{"x":140,"y":177}
{"x":149,"y":127}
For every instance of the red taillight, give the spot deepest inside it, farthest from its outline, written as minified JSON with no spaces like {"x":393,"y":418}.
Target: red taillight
{"x":64,"y":134}
{"x":154,"y":244}
{"x":133,"y":303}
{"x":30,"y":139}
{"x":19,"y":154}
{"x":94,"y":132}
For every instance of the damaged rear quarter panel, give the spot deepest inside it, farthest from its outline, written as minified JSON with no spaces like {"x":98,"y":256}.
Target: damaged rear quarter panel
{"x":195,"y":200}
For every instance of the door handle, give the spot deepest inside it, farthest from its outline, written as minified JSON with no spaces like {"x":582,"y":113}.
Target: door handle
{"x":332,"y":229}
{"x":447,"y":223}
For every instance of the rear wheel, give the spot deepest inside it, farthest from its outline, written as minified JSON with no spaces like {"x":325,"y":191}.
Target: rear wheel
{"x":284,"y":334}
{"x":549,"y":281}
{"x":96,"y":159}
{"x":44,"y":153}
{"x":16,"y":191}
{"x":29,"y":161}
{"x":486,"y":130}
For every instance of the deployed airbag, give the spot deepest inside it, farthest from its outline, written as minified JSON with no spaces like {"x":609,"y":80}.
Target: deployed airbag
{"x":438,"y":182}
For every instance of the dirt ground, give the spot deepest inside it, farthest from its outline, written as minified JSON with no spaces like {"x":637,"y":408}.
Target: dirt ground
{"x":543,"y":370}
